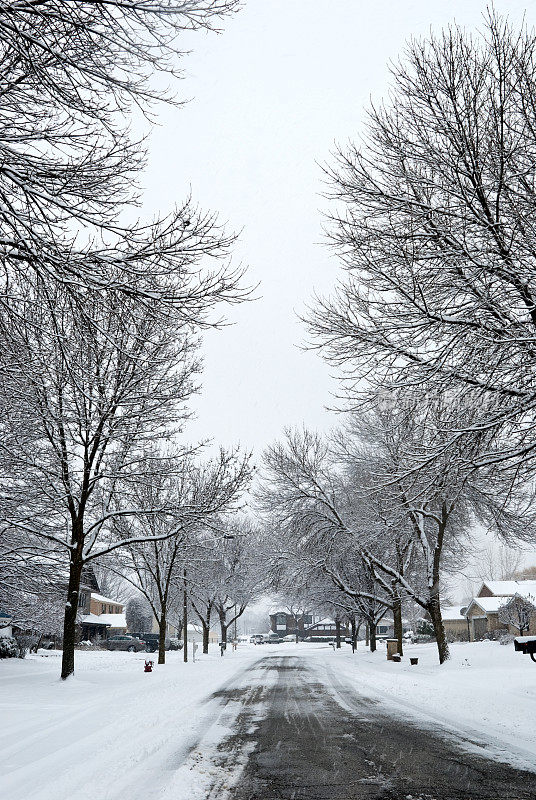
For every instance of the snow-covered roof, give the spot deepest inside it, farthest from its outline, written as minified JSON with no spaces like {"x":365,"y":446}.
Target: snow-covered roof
{"x":321,"y":623}
{"x":509,"y":588}
{"x":93,"y":619}
{"x":489,"y":604}
{"x":452,"y":612}
{"x":114,"y":620}
{"x":101,"y":599}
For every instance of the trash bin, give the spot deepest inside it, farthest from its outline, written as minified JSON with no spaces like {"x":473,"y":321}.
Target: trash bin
{"x":392,"y":648}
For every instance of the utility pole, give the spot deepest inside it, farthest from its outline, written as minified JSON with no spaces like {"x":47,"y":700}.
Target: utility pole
{"x":184,"y":620}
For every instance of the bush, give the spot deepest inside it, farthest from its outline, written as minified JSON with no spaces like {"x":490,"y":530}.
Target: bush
{"x":506,"y":638}
{"x":496,"y":635}
{"x":8,"y":647}
{"x":25,"y":642}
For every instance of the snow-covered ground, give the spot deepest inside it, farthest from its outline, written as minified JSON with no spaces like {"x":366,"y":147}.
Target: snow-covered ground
{"x":114,"y":731}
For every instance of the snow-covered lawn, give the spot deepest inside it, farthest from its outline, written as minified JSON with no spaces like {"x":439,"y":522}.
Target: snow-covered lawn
{"x":486,"y":692}
{"x":115,"y":732}
{"x":106,"y":732}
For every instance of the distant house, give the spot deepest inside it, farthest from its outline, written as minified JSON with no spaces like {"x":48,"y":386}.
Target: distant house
{"x":483,"y":616}
{"x":323,"y":630}
{"x":285,"y":624}
{"x":101,"y":616}
{"x":507,"y":588}
{"x":455,"y":623}
{"x":308,"y":626}
{"x":483,"y":610}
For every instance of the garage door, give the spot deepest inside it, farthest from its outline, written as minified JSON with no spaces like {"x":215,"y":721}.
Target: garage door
{"x":480,"y":627}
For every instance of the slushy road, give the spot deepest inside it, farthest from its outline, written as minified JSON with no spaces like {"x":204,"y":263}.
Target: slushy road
{"x":298,"y":732}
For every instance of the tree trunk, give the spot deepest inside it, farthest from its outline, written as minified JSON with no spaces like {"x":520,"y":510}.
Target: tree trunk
{"x":162,"y":624}
{"x":206,"y":630}
{"x":184,"y":621}
{"x":353,"y":634}
{"x":434,"y":609}
{"x":367,"y":634}
{"x":69,"y":620}
{"x":223,"y":628}
{"x":397,"y":623}
{"x":338,"y":632}
{"x":372,"y":628}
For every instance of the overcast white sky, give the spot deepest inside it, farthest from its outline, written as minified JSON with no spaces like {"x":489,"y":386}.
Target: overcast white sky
{"x":271,"y":95}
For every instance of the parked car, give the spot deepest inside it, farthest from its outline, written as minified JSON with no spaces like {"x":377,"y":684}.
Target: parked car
{"x":124,"y":642}
{"x":272,"y":638}
{"x":256,"y":638}
{"x":152,"y":639}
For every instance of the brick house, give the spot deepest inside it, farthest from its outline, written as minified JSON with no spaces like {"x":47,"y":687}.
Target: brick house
{"x":285,"y":624}
{"x":308,"y":626}
{"x":100,"y":616}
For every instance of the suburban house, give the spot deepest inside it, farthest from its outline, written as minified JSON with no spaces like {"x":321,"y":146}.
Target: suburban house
{"x":101,"y":616}
{"x":323,"y":630}
{"x":308,"y":626}
{"x":456,"y":623}
{"x":285,"y":624}
{"x":483,"y":611}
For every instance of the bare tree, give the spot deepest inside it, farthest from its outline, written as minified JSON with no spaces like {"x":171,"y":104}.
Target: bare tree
{"x":73,"y":73}
{"x":93,"y":384}
{"x":404,"y":525}
{"x":518,"y":612}
{"x":170,"y":541}
{"x":139,"y":614}
{"x":434,"y":225}
{"x":240,"y":577}
{"x":497,"y":563}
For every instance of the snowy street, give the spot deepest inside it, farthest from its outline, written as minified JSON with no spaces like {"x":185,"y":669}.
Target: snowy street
{"x":270,"y":722}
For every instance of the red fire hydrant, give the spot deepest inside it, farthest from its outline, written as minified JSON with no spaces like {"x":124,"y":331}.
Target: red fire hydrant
{"x":148,"y":666}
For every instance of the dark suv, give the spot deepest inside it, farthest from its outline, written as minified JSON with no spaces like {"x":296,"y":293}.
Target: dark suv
{"x":123,"y":642}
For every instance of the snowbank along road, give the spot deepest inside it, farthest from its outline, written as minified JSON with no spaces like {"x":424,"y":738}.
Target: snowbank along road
{"x":298,"y":732}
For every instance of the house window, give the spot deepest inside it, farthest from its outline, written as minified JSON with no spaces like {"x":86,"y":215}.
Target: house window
{"x":82,"y":599}
{"x":281,"y":622}
{"x":307,"y":619}
{"x":103,"y":608}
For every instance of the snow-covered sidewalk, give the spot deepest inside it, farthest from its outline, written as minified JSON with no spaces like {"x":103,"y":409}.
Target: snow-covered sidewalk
{"x":112,"y":730}
{"x":486,"y":692}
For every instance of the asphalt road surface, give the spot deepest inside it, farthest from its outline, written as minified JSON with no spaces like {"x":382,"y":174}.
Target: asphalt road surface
{"x":299,"y":733}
